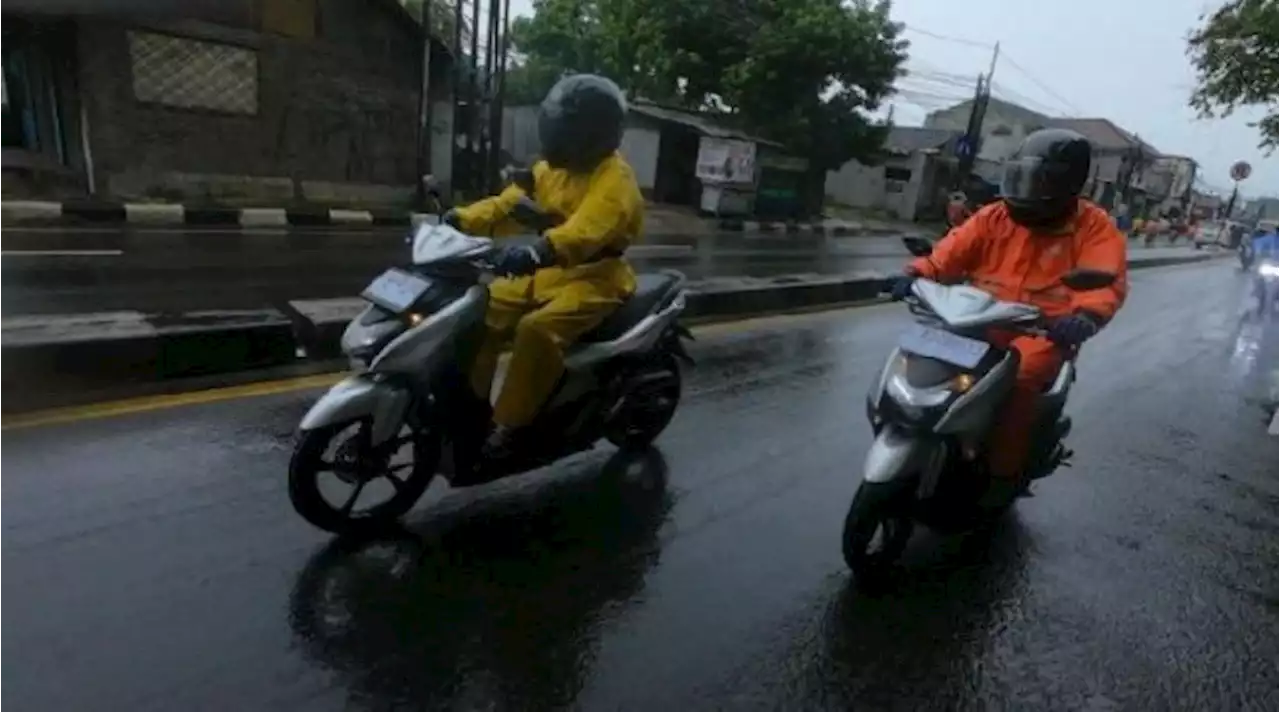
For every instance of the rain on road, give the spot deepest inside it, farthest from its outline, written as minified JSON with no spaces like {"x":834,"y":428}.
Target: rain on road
{"x":75,"y":270}
{"x":154,"y":563}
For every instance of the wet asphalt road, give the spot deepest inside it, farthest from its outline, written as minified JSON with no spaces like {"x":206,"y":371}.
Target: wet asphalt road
{"x":152,"y":561}
{"x":76,"y":270}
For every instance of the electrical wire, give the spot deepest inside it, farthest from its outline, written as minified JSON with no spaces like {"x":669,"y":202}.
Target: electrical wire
{"x":948,"y":38}
{"x":1004,"y":56}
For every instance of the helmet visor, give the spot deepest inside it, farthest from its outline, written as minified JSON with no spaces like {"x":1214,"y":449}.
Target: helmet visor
{"x":1025,"y":179}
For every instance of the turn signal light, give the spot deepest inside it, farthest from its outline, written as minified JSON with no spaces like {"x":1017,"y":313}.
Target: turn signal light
{"x":962,"y":382}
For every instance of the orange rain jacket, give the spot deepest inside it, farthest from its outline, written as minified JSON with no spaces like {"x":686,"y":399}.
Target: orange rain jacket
{"x":1014,"y":264}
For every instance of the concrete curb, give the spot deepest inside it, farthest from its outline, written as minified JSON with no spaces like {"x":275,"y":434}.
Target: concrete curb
{"x":51,"y":361}
{"x":829,"y":228}
{"x":32,"y":212}
{"x":27,"y":212}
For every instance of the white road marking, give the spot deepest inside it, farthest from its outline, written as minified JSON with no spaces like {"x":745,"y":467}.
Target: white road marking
{"x":61,"y":253}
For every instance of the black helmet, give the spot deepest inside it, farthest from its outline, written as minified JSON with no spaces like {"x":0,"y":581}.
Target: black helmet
{"x":1043,"y":179}
{"x":580,"y":121}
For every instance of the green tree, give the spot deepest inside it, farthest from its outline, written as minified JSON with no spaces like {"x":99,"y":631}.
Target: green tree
{"x":442,"y":17}
{"x":802,"y":72}
{"x":1235,"y":57}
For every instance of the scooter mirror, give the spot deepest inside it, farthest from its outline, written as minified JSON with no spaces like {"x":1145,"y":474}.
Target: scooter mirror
{"x":1084,"y":279}
{"x":918,"y":246}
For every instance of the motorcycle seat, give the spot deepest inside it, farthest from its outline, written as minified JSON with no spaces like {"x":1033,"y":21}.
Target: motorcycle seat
{"x":653,"y":292}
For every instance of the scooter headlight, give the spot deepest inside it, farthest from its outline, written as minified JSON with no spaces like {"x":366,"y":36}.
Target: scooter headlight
{"x":916,"y":398}
{"x":961,"y":383}
{"x":1269,"y":269}
{"x":363,"y":342}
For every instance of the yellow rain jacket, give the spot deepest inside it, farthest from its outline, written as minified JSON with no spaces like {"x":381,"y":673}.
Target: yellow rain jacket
{"x":545,"y":313}
{"x":603,"y":211}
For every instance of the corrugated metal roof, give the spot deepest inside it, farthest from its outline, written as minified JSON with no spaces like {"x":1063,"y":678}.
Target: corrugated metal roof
{"x":698,"y":122}
{"x":909,"y":139}
{"x":1104,"y":134}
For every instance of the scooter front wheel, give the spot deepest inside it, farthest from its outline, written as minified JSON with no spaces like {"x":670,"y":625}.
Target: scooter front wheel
{"x":362,"y":467}
{"x":876,"y":529}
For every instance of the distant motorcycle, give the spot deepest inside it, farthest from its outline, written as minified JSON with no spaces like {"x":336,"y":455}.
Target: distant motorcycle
{"x":932,"y":408}
{"x":1265,"y":281}
{"x":410,"y":350}
{"x":1244,"y":252}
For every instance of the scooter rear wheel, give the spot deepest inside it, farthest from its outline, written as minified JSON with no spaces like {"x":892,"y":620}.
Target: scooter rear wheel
{"x":876,"y":529}
{"x":358,"y":465}
{"x":647,"y":410}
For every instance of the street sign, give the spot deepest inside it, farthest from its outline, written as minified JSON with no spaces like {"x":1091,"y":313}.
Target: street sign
{"x":1240,"y":170}
{"x":963,"y":147}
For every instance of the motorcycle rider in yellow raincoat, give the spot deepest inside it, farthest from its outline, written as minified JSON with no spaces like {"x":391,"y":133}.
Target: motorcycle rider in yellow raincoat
{"x":588,"y":211}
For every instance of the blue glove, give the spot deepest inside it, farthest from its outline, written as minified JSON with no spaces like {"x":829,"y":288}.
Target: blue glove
{"x":899,"y":287}
{"x":520,"y":260}
{"x":1071,"y":331}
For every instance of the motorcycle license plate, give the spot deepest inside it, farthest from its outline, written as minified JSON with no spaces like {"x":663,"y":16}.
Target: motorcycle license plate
{"x":396,"y":290}
{"x":943,"y":345}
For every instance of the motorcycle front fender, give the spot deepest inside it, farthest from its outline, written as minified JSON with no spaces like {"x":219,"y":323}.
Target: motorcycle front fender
{"x":360,"y":397}
{"x":896,"y":454}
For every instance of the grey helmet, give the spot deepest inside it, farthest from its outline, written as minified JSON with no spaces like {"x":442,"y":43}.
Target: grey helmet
{"x":580,"y":122}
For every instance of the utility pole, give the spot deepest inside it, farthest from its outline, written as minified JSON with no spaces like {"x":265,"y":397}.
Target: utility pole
{"x":1134,"y":158}
{"x":424,"y":107}
{"x":474,"y":183}
{"x":456,"y":177}
{"x":970,"y":142}
{"x":995,"y":56}
{"x":498,"y":87}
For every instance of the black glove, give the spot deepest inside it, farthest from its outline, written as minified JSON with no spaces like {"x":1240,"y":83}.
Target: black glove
{"x":899,"y":287}
{"x":1071,"y":331}
{"x":451,"y":219}
{"x":527,"y":213}
{"x":520,"y":260}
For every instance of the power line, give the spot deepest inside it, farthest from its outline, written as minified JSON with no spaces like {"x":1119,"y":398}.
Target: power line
{"x":1041,"y":84}
{"x":947,"y":79}
{"x":948,"y":38}
{"x":937,"y":99}
{"x":1003,"y":92}
{"x":1004,"y":56}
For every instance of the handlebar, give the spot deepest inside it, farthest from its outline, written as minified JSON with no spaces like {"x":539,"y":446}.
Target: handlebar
{"x":1038,"y":327}
{"x":1032,"y":327}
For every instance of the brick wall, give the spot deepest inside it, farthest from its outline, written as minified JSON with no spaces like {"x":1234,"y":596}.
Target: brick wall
{"x":340,"y":106}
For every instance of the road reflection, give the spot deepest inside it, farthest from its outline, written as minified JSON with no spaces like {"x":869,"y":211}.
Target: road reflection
{"x":1255,"y":353}
{"x":494,"y":606}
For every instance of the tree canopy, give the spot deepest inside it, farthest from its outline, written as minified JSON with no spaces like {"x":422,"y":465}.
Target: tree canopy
{"x":802,"y":72}
{"x":441,"y":17}
{"x":1235,"y":57}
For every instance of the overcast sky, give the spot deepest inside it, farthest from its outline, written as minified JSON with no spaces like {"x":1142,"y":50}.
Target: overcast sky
{"x":1138,"y":76}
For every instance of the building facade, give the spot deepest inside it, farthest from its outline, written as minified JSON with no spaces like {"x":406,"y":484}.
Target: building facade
{"x":910,"y":184}
{"x":276,"y":101}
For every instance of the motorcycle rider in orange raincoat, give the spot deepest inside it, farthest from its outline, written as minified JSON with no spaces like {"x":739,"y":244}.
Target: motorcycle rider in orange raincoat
{"x":1017,"y":249}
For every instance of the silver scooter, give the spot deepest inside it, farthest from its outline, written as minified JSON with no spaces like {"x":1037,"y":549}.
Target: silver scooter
{"x":932,"y":408}
{"x":411,"y":349}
